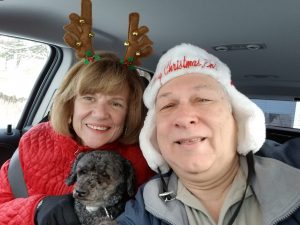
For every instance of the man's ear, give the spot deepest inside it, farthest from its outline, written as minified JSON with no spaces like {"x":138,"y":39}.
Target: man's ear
{"x":71,"y":179}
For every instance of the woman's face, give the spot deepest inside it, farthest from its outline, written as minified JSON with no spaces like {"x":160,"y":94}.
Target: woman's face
{"x":196,"y":131}
{"x":99,"y":119}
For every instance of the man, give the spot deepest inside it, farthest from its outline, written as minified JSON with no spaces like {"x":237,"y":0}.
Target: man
{"x":201,"y":133}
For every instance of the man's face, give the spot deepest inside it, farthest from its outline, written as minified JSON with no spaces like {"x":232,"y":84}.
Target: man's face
{"x":196,"y":130}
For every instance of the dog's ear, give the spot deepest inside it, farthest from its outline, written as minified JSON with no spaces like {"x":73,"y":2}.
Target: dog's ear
{"x":130,"y":176}
{"x":71,"y":179}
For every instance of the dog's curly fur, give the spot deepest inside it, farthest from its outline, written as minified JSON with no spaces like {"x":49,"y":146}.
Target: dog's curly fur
{"x":103,"y":180}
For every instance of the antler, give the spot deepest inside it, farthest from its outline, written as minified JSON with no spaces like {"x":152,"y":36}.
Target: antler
{"x":79,"y":31}
{"x":138,"y":44}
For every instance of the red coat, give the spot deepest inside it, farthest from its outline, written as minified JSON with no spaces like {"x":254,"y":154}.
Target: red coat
{"x":46,"y":158}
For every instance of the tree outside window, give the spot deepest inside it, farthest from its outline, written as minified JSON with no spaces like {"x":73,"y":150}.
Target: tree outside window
{"x":21,"y":62}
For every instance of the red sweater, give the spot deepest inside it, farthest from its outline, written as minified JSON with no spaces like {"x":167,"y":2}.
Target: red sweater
{"x":46,"y":158}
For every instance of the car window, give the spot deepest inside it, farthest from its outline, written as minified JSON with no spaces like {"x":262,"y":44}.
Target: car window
{"x":280,"y":113}
{"x":21,"y":62}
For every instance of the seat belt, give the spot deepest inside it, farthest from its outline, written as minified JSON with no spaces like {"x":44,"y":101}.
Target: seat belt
{"x":15,"y":172}
{"x":16,"y":177}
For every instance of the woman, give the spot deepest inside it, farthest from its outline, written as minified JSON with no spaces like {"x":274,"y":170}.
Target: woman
{"x":98,"y":106}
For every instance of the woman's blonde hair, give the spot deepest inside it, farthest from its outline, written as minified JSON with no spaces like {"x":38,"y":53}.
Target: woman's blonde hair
{"x":107,"y":76}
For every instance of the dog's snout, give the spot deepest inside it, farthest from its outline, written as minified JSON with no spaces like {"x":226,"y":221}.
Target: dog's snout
{"x":80,"y":193}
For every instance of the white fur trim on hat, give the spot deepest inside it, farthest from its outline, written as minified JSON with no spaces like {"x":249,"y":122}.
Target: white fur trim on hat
{"x":186,"y":59}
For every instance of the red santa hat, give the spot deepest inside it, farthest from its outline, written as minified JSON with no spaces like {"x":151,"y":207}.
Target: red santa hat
{"x":185,"y":59}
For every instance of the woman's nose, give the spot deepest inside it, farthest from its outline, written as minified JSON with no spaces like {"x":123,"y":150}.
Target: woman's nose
{"x":101,"y":110}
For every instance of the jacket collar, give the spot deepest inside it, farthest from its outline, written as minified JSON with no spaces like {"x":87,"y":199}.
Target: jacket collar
{"x":173,"y":211}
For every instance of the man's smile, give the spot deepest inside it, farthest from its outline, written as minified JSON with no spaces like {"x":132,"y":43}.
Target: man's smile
{"x":191,"y":140}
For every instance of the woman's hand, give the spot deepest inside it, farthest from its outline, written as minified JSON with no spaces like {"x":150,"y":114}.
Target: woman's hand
{"x":57,"y":210}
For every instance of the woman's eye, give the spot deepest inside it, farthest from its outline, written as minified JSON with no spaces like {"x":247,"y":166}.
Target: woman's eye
{"x":117,"y":104}
{"x":88,"y":98}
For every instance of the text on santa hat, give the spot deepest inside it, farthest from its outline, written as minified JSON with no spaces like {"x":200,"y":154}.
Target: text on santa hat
{"x":185,"y":64}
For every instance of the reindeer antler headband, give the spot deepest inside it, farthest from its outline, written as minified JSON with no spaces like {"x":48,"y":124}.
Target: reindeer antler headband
{"x":138,"y":44}
{"x":79,"y":36}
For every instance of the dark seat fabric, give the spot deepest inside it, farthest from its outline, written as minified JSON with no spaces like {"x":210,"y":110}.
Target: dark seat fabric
{"x":288,"y":152}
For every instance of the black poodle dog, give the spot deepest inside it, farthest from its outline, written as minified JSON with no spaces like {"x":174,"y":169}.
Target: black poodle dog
{"x":104,"y":180}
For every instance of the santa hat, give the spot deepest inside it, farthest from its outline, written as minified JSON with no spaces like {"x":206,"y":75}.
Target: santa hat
{"x":185,"y":59}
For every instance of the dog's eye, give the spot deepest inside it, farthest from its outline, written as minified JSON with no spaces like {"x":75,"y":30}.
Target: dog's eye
{"x":105,"y":175}
{"x":82,"y":172}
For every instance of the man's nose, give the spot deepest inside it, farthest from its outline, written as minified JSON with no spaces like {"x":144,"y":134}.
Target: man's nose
{"x":186,"y":115}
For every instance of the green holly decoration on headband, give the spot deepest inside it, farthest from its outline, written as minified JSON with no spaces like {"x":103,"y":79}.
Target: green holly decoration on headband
{"x":89,"y":57}
{"x":128,"y":63}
